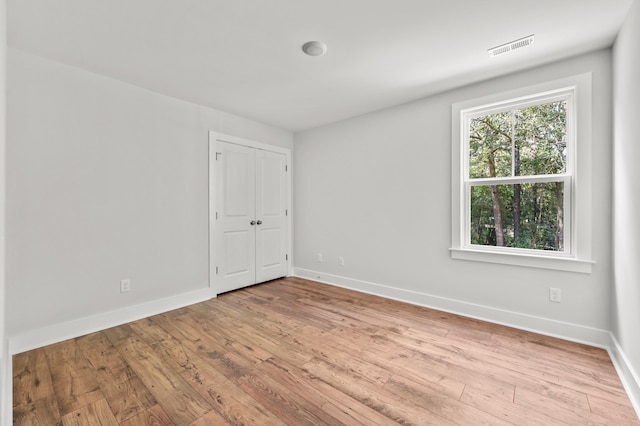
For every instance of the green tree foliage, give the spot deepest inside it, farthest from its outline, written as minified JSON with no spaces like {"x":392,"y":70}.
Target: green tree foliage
{"x":529,"y":141}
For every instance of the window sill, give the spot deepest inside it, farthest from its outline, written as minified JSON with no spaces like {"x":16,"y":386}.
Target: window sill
{"x":527,"y":260}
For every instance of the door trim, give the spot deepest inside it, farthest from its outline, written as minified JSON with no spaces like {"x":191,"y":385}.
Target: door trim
{"x":214,"y":137}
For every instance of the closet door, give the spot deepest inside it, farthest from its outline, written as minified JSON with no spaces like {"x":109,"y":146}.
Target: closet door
{"x":271,"y":227}
{"x":235,"y":236}
{"x":251,"y":227}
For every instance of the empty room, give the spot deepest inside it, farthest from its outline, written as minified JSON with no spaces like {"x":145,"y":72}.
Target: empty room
{"x":345,"y":212}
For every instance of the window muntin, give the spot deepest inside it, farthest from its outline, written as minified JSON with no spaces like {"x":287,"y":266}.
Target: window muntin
{"x":517,"y":178}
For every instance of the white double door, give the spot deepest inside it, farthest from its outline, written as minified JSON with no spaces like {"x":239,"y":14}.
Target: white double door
{"x":250,"y":228}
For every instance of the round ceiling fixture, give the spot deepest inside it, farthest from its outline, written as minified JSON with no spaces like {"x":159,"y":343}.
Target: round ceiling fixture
{"x":314,"y":48}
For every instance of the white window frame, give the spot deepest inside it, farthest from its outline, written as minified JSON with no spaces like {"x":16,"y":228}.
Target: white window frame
{"x":576,"y":256}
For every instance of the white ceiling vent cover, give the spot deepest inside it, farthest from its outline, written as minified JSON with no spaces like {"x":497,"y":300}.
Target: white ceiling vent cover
{"x":512,"y":45}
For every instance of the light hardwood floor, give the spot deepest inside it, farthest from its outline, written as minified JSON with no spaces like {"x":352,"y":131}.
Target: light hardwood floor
{"x":297,"y":352}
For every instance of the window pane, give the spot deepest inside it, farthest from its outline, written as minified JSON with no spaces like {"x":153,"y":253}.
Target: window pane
{"x":540,"y":135}
{"x":490,"y":146}
{"x":522,"y":142}
{"x":528,"y":215}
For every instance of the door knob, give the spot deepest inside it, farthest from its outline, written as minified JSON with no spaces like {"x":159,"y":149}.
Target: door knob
{"x":253,"y":222}
{"x":259,"y":222}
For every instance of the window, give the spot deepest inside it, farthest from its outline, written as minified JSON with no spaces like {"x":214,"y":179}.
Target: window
{"x":518,"y":172}
{"x":515,"y":163}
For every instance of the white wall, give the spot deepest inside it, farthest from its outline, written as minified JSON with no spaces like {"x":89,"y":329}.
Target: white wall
{"x":4,"y":373}
{"x":376,"y":189}
{"x":626,"y":227}
{"x":105,"y":181}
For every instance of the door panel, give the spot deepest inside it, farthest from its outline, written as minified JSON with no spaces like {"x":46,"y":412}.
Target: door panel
{"x":238,"y":184}
{"x":269,"y":176}
{"x":235,"y":236}
{"x":271,"y":235}
{"x":236,"y":246}
{"x":271,"y":247}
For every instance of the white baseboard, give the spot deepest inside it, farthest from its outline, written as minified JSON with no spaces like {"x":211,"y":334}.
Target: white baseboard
{"x":628,"y":376}
{"x":563,"y":330}
{"x":55,"y":333}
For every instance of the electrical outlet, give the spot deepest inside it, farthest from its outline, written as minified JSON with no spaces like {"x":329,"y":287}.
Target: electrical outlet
{"x":555,"y":295}
{"x":125,"y":285}
{"x":341,"y":261}
{"x":320,"y":257}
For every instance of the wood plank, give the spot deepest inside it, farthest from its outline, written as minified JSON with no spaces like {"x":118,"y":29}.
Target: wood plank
{"x":287,"y":403}
{"x":334,"y":350}
{"x":227,"y":397}
{"x":514,"y":414}
{"x":124,"y":391}
{"x":31,"y":377}
{"x":298,"y":381}
{"x":207,"y":322}
{"x":558,"y":409}
{"x":620,"y":413}
{"x":467,"y":373}
{"x":211,"y":418}
{"x":392,"y":406}
{"x":96,"y":413}
{"x":428,"y":398}
{"x":179,"y":400}
{"x":42,"y":411}
{"x":198,"y":369}
{"x":189,"y":332}
{"x":379,"y":351}
{"x":255,"y":308}
{"x":153,"y":416}
{"x":346,"y":409}
{"x":73,"y":378}
{"x":250,"y":333}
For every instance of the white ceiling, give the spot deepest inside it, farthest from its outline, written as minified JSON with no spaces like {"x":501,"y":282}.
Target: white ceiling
{"x":244,"y":57}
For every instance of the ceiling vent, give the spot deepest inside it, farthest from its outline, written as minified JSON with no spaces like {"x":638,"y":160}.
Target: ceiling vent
{"x":512,"y":45}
